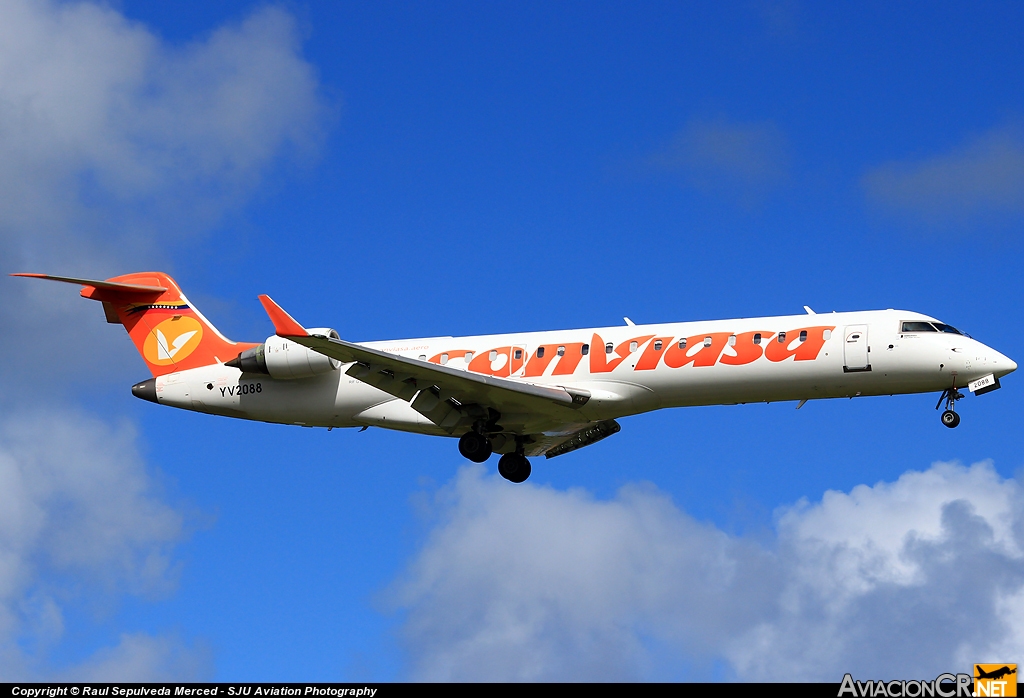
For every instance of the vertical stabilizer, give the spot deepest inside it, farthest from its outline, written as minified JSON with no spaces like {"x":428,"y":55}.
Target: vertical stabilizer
{"x":169,"y":332}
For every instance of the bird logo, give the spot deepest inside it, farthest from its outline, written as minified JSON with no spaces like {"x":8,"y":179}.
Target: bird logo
{"x":172,"y":340}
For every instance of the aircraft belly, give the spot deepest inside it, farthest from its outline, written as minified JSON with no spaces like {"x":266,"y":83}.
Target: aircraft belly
{"x":318,"y":401}
{"x":615,"y":398}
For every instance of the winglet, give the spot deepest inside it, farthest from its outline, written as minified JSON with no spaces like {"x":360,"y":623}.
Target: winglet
{"x":284,"y":324}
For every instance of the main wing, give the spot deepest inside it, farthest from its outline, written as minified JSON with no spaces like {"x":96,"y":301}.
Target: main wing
{"x":448,"y":397}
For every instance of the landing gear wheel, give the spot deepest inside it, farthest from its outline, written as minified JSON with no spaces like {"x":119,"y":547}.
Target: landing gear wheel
{"x":514,"y":468}
{"x":950,"y":418}
{"x":476,"y":447}
{"x":950,"y":395}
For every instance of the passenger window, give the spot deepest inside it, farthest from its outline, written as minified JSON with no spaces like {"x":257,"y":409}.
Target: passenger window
{"x":782,"y":337}
{"x":657,"y":345}
{"x":493,"y":355}
{"x":519,"y":354}
{"x":803,"y":335}
{"x":585,"y":349}
{"x":608,"y":348}
{"x":826,"y":335}
{"x":444,"y":359}
{"x":540,"y":353}
{"x":682,"y":343}
{"x":561,"y":351}
{"x":732,"y":340}
{"x":917,"y":327}
{"x":757,"y":338}
{"x":469,"y":356}
{"x":632,"y":346}
{"x":707,"y":341}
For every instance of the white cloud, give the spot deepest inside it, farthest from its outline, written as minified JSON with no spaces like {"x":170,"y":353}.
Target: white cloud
{"x":115,"y":146}
{"x":980,"y":182}
{"x":909,"y":579}
{"x":144,"y":658}
{"x":740,"y":160}
{"x":107,"y":130}
{"x":79,"y":515}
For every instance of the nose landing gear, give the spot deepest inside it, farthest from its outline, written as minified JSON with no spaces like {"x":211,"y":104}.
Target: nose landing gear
{"x":949,"y":416}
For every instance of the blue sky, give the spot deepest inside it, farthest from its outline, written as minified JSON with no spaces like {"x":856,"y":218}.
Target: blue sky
{"x":401,"y":170}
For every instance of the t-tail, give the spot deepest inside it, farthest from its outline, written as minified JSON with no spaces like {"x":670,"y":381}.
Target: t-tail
{"x":169,"y":332}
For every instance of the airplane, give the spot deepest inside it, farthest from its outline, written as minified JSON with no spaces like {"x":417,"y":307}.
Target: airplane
{"x":995,"y":674}
{"x":531,"y":394}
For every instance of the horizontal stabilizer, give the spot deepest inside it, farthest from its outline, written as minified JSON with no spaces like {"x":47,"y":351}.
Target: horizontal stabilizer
{"x":105,"y":285}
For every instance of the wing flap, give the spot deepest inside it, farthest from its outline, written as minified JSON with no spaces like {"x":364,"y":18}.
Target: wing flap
{"x":551,"y":445}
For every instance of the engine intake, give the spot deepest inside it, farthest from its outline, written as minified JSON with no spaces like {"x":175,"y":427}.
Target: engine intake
{"x":284,"y":359}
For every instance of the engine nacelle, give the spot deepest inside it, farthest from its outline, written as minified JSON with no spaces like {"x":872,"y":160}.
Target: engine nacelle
{"x":284,"y":359}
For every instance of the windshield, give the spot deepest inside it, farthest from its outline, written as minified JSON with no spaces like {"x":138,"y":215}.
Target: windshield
{"x":920,"y":326}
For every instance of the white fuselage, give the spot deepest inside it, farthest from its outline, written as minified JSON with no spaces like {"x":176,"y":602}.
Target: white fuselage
{"x":722,"y":362}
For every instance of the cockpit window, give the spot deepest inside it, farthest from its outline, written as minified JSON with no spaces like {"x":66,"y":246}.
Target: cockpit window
{"x":917,"y":327}
{"x":941,"y":327}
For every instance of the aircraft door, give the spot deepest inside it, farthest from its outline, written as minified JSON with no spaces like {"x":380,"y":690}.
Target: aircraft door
{"x":855,"y":349}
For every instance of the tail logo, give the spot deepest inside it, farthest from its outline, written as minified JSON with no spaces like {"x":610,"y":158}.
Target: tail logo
{"x":172,"y":340}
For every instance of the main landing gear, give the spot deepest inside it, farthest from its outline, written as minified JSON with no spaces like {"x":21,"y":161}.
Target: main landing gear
{"x":514,"y":467}
{"x":949,"y":416}
{"x":475,"y":446}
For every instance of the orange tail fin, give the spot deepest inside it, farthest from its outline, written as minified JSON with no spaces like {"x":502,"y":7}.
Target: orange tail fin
{"x":170,"y":334}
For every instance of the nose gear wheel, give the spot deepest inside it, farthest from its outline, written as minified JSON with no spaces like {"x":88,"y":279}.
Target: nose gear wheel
{"x":949,"y":416}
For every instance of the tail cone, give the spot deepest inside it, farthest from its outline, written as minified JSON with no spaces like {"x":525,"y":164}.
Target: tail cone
{"x":145,"y":390}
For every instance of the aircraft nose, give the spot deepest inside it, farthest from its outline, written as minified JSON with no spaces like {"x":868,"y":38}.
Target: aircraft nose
{"x":1003,"y":364}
